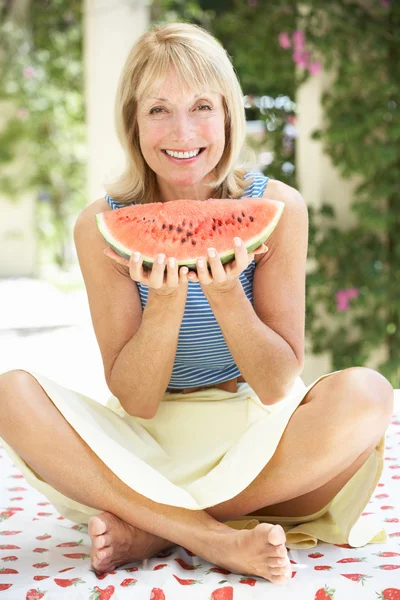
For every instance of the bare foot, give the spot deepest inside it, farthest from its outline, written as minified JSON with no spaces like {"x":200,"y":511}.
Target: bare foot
{"x":116,"y":543}
{"x":260,"y":551}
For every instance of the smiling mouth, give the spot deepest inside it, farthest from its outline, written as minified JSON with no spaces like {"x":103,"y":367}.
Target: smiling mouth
{"x":183,"y":157}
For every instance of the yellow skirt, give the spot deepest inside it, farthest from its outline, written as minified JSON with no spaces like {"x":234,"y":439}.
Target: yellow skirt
{"x":204,"y":448}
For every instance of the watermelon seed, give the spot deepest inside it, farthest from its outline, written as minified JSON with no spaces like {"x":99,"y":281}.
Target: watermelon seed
{"x":170,"y":227}
{"x":251,"y":219}
{"x":189,"y":233}
{"x":193,"y":243}
{"x":219,"y":222}
{"x":239,"y":219}
{"x":179,"y":229}
{"x":243,"y":215}
{"x":190,"y":224}
{"x":163,"y":226}
{"x":233,"y":217}
{"x":183,"y":222}
{"x":214,"y":227}
{"x":183,"y":240}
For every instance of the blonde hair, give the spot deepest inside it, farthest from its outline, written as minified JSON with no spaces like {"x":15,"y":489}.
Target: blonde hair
{"x":200,"y":60}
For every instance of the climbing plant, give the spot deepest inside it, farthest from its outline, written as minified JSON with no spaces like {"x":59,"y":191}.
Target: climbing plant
{"x":353,"y":289}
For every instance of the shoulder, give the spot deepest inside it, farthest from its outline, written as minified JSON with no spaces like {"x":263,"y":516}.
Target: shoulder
{"x":294,"y":220}
{"x":86,"y":216}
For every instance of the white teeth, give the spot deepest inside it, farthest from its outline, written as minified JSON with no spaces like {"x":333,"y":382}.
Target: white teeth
{"x":183,"y":154}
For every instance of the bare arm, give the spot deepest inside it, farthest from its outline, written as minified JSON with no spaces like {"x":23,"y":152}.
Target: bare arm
{"x":137,"y":347}
{"x":267,"y":341}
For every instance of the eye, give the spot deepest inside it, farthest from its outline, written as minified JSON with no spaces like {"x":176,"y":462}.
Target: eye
{"x":157,"y":108}
{"x":205,"y":106}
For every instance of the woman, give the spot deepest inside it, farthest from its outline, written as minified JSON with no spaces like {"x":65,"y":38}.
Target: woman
{"x":210,"y":440}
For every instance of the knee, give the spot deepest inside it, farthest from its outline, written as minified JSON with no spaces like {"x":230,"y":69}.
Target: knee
{"x":368,"y":391}
{"x":14,"y":380}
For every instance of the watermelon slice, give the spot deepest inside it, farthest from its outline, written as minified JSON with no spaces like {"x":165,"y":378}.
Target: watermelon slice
{"x":186,"y":228}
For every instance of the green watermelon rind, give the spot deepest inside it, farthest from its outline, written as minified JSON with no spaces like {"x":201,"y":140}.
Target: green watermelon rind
{"x":225,"y":257}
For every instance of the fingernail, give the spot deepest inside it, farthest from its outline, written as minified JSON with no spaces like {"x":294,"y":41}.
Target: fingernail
{"x":211,"y":252}
{"x":171,"y":262}
{"x":161,"y":259}
{"x":237,"y":242}
{"x":136,"y":256}
{"x":200,"y":262}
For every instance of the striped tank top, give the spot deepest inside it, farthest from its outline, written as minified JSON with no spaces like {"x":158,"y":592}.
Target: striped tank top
{"x":202,"y":356}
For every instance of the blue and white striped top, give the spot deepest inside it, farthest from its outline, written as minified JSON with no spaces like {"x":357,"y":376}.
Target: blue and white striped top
{"x":202,"y":356}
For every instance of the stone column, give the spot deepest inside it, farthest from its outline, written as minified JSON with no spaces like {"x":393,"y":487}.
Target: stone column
{"x":111,"y":29}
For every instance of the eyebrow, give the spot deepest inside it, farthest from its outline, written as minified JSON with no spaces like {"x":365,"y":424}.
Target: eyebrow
{"x":166,"y":99}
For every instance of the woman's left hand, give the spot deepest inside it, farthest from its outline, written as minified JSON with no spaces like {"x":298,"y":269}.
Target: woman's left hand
{"x":223,"y":277}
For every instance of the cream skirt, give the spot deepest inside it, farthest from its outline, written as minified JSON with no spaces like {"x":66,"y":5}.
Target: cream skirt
{"x":204,"y":448}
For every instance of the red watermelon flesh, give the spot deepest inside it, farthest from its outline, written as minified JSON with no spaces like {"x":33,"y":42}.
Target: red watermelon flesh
{"x":185,"y":229}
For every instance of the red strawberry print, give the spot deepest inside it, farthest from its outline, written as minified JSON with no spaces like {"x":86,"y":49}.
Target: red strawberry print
{"x":315,"y":555}
{"x":6,"y":514}
{"x":219,"y":570}
{"x":248,"y":581}
{"x":43,"y":503}
{"x":386,"y":554}
{"x":9,"y":532}
{"x":79,"y":527}
{"x":34,"y":594}
{"x":9,"y":547}
{"x":45,"y":536}
{"x":5,"y":586}
{"x":9,"y":558}
{"x":128,"y":582}
{"x":77,"y":555}
{"x":41,"y":550}
{"x":224,"y":593}
{"x":395,"y":534}
{"x":344,"y":546}
{"x":189,"y":552}
{"x":158,"y":567}
{"x":99,"y":594}
{"x":356,"y":577}
{"x":44,"y":514}
{"x":41,"y":577}
{"x":394,"y":466}
{"x":380,"y":496}
{"x":388,"y":567}
{"x":157,"y":594}
{"x":186,"y":566}
{"x":389,"y":594}
{"x":392,"y":520}
{"x":129,"y":570}
{"x":68,"y":582}
{"x":396,"y":477}
{"x":186,"y":581}
{"x":103,"y":575}
{"x":17,"y":489}
{"x":323,"y":568}
{"x":70,"y":544}
{"x":67,"y":569}
{"x":324,"y":594}
{"x":17,"y":476}
{"x":387,"y":507}
{"x":351,"y":560}
{"x":41,"y":565}
{"x":8,"y":571}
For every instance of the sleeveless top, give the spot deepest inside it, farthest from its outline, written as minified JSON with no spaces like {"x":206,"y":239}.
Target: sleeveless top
{"x":202,"y":356}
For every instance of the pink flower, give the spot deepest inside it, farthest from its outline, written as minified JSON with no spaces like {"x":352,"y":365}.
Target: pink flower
{"x":343,"y":297}
{"x":315,"y":67}
{"x":299,"y":39}
{"x":22,"y":114}
{"x":284,"y":40}
{"x":385,"y":3}
{"x":29,"y":72}
{"x":301,"y":58}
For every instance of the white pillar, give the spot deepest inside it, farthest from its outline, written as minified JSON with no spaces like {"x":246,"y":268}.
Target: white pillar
{"x":111,"y":29}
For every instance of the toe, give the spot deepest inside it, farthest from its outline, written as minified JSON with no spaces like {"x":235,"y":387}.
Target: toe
{"x":96,"y":526}
{"x":277,"y":535}
{"x":100,"y":541}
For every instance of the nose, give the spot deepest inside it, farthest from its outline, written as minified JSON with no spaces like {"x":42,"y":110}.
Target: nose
{"x":183,"y":129}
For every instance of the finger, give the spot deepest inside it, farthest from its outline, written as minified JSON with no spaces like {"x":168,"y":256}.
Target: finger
{"x":135,"y":267}
{"x":217,"y":270}
{"x":203,"y":274}
{"x":172,"y":272}
{"x":241,"y":258}
{"x":183,"y":272}
{"x":157,"y":272}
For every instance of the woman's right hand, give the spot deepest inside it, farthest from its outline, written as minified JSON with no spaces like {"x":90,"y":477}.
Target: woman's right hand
{"x":164,"y":279}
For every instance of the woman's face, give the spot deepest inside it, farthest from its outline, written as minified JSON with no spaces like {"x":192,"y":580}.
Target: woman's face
{"x":174,"y":120}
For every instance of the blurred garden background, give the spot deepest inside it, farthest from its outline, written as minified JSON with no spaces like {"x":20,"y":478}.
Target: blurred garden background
{"x":321,"y":85}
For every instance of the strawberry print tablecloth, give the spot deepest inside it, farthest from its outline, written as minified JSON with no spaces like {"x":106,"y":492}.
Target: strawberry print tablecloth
{"x":42,"y":555}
